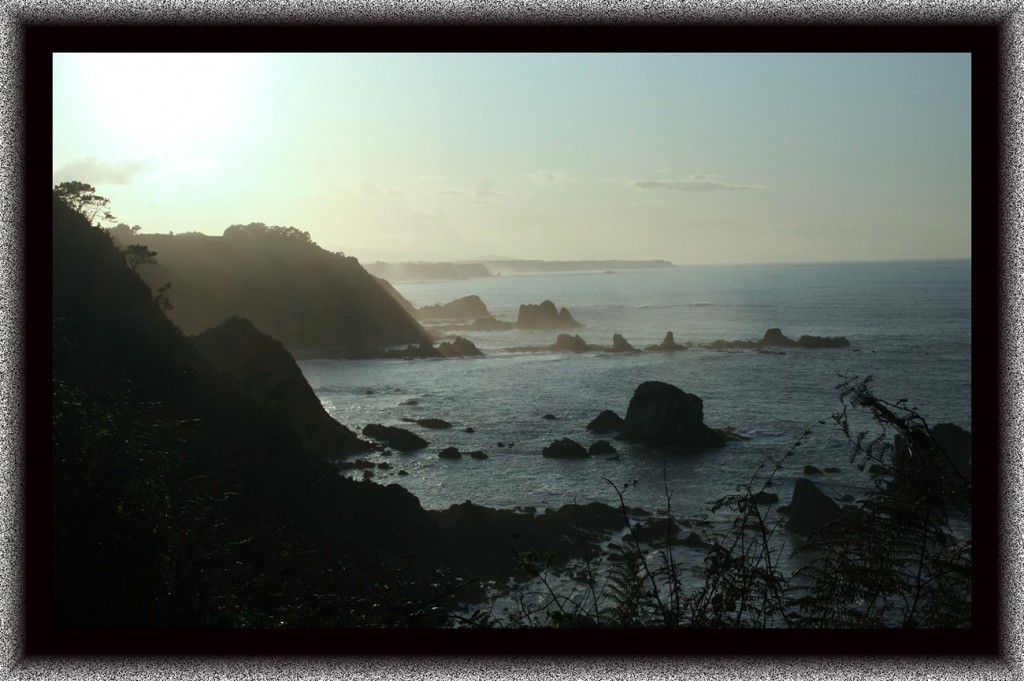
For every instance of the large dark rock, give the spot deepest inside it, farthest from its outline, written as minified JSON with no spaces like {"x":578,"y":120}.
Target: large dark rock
{"x":399,"y":438}
{"x":810,"y":508}
{"x":567,"y":343}
{"x":662,"y":414}
{"x":605,"y":422}
{"x":565,"y":449}
{"x":468,"y":307}
{"x":545,"y":316}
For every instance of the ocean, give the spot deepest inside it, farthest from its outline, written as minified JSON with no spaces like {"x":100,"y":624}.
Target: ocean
{"x":908,"y":323}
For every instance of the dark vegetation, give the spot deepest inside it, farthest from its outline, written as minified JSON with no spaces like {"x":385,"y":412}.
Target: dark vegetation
{"x":192,"y":487}
{"x":184,"y":496}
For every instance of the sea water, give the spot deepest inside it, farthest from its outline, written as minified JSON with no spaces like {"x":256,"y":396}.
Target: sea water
{"x":908,"y":323}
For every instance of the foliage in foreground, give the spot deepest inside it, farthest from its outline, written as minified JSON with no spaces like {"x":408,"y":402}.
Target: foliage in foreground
{"x":890,"y":560}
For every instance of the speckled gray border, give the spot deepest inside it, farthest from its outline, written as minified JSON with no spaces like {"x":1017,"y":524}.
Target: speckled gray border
{"x":13,"y":664}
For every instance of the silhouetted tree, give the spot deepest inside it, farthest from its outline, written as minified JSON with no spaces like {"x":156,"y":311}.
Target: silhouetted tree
{"x":163,"y":299}
{"x":83,"y":198}
{"x":138,"y":254}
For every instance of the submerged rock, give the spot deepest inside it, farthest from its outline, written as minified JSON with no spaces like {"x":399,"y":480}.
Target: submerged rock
{"x":602,"y":447}
{"x":662,"y":414}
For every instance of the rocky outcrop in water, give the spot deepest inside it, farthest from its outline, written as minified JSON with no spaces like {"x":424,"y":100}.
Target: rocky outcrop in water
{"x":661,"y":414}
{"x":399,"y":438}
{"x":430,"y":423}
{"x":731,"y":345}
{"x":822,"y":342}
{"x":601,"y":447}
{"x":810,"y":508}
{"x":544,"y":316}
{"x":467,"y":307}
{"x":667,"y":345}
{"x":460,"y":347}
{"x":567,"y":343}
{"x":620,"y":344}
{"x":606,"y":422}
{"x":774,"y":338}
{"x":565,"y":449}
{"x":449,"y":453}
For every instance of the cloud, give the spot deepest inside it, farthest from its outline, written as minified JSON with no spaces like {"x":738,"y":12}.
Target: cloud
{"x":93,"y":171}
{"x":483,"y":193}
{"x":694,"y":183}
{"x":545,"y":177}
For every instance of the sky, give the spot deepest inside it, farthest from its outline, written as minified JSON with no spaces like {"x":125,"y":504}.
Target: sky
{"x":696,"y":158}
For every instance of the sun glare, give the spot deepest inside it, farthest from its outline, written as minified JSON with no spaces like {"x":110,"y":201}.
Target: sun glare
{"x":161,"y":101}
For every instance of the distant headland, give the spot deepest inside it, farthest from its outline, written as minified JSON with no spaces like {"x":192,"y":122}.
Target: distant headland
{"x":420,"y":271}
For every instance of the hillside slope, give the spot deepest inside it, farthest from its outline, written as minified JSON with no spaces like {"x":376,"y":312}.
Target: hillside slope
{"x":309,"y":299}
{"x":178,"y":498}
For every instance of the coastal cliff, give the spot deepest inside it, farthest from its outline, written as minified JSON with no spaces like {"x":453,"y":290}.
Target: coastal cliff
{"x":309,"y":299}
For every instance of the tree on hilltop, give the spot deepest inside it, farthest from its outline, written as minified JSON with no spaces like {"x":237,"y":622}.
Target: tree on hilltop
{"x":138,"y":254}
{"x":82,"y":198}
{"x":258,"y":230}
